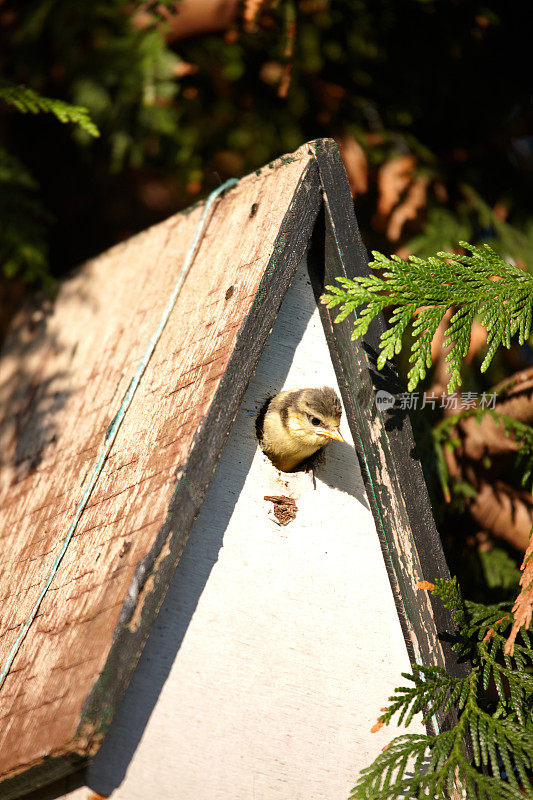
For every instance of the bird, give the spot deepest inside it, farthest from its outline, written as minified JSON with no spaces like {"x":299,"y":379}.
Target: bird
{"x":294,"y":425}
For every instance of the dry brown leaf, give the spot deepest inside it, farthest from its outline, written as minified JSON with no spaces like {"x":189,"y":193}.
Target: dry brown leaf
{"x":490,"y":631}
{"x":504,"y":511}
{"x":355,"y":163}
{"x":194,"y":17}
{"x":393,"y":179}
{"x":426,"y":585}
{"x":484,"y":438}
{"x":482,"y":458}
{"x":523,"y":605}
{"x":408,"y":209}
{"x":515,"y":396}
{"x":250,"y":13}
{"x":375,"y":728}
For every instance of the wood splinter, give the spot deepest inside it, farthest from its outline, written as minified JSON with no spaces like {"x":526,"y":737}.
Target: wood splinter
{"x":285,"y":508}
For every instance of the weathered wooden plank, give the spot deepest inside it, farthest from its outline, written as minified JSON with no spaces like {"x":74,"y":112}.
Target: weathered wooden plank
{"x":387,"y":452}
{"x":62,"y":381}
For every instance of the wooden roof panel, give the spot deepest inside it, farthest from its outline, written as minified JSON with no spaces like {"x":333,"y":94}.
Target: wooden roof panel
{"x":64,"y":373}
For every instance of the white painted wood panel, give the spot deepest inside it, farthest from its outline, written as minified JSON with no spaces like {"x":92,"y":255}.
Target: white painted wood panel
{"x":276,"y":646}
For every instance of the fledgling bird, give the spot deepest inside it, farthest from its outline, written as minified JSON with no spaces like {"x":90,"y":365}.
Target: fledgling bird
{"x":294,"y":425}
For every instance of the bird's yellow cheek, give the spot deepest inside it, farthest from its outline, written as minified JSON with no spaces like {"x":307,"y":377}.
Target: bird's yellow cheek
{"x":303,"y":435}
{"x":318,"y":437}
{"x":295,"y":427}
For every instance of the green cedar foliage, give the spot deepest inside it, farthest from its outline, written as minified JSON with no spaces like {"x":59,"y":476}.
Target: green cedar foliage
{"x":494,"y":702}
{"x":495,"y":716}
{"x":481,"y":285}
{"x":23,"y":218}
{"x":29,"y":102}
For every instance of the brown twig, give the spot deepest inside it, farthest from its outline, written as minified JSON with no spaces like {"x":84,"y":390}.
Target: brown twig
{"x":355,"y":163}
{"x":523,"y":605}
{"x":504,"y":511}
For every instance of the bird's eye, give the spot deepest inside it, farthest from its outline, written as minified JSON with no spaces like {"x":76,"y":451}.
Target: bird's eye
{"x":315,"y":421}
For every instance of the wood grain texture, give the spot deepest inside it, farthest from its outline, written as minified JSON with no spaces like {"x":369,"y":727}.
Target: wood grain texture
{"x":387,"y":452}
{"x":63,"y":375}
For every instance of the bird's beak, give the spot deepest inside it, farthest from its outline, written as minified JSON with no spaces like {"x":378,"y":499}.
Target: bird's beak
{"x":333,"y":434}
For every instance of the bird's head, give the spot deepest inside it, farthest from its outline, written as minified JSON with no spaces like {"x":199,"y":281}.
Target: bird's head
{"x":313,"y":416}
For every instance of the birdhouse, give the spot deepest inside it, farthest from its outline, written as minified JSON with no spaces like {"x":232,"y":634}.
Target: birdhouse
{"x":179,"y":618}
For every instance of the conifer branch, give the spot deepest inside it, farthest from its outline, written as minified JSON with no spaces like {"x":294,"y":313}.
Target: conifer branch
{"x":499,"y":728}
{"x":480,"y":285}
{"x":27,"y":101}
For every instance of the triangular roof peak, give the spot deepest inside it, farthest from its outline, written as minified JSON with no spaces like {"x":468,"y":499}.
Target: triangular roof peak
{"x":66,"y":372}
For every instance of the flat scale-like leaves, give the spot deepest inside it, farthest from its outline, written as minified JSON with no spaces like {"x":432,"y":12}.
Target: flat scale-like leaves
{"x":27,"y":101}
{"x":500,"y":730}
{"x":480,"y":285}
